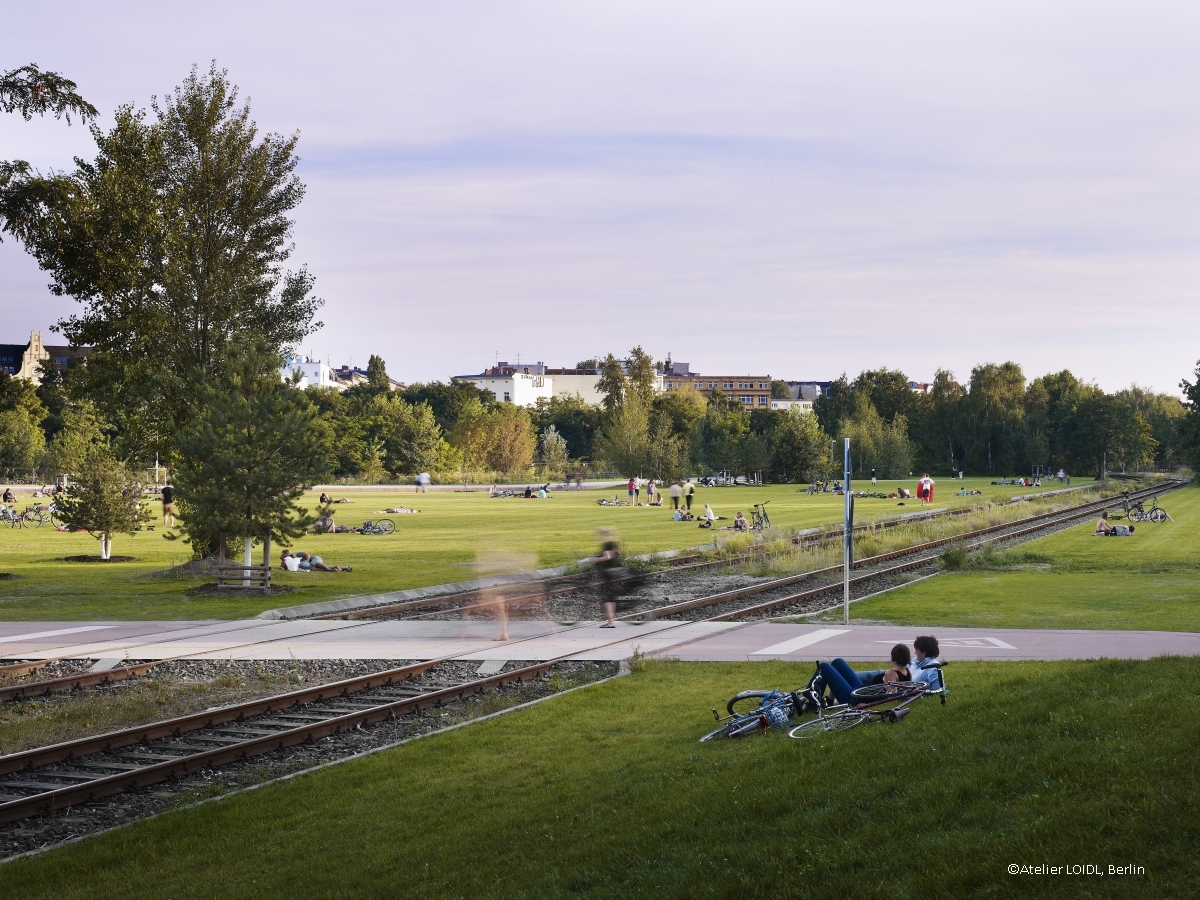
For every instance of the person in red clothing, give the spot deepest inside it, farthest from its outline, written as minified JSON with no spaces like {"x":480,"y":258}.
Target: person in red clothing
{"x":632,"y":488}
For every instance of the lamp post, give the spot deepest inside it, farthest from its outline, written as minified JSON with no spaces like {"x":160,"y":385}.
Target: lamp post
{"x":847,"y":550}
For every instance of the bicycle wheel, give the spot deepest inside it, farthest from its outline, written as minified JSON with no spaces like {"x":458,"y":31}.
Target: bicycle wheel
{"x":896,"y":690}
{"x":386,"y":526}
{"x":1136,"y":514}
{"x":827,"y":724}
{"x":1158,"y":514}
{"x":31,"y":521}
{"x":735,"y":728}
{"x":756,"y":696}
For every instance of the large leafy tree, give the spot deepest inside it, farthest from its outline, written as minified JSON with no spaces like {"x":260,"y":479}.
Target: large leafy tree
{"x":1189,"y":425}
{"x":175,"y":240}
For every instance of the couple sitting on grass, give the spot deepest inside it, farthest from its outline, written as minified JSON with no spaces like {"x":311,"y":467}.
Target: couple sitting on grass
{"x":841,"y":681}
{"x":1106,"y":528}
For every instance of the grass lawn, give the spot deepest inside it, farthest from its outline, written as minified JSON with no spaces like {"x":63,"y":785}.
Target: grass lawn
{"x":1071,"y":579}
{"x":606,"y":793}
{"x":435,"y":547}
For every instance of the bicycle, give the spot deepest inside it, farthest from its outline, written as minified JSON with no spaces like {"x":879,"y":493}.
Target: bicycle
{"x":379,"y":526}
{"x":1136,"y":512}
{"x":33,"y":517}
{"x":776,"y":709}
{"x":867,"y":706}
{"x":9,"y":517}
{"x":761,"y":520}
{"x":613,"y":502}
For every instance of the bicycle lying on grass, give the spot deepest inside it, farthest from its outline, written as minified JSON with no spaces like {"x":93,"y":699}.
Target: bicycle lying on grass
{"x":613,"y":502}
{"x":379,"y":526}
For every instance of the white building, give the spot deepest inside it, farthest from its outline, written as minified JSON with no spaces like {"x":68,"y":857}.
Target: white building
{"x":518,"y":388}
{"x":802,"y":405}
{"x":310,"y":374}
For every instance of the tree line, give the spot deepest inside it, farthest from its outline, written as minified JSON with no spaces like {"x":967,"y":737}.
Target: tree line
{"x":175,"y":239}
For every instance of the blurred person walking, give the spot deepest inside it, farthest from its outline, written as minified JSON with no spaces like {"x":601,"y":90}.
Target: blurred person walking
{"x":676,"y":493}
{"x":606,"y":566}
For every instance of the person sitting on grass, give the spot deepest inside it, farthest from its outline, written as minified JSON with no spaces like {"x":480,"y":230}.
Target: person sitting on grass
{"x":325,"y":501}
{"x":926,"y":667}
{"x":1103,"y":526}
{"x":308,"y":562}
{"x":740,"y":523}
{"x":682,"y":515}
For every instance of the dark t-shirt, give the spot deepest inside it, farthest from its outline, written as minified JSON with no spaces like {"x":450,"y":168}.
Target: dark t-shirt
{"x":168,"y":494}
{"x":609,"y":563}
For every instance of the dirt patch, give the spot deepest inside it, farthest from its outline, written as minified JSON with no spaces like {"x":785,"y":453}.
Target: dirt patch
{"x":224,"y":590}
{"x":97,"y":559}
{"x":8,"y":576}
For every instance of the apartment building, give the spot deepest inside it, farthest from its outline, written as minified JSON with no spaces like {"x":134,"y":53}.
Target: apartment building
{"x":752,"y":391}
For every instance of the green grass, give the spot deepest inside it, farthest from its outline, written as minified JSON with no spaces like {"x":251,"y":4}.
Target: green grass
{"x":606,"y":793}
{"x":1071,"y":579}
{"x":438,"y":546}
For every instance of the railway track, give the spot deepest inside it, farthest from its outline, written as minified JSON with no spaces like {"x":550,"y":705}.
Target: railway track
{"x":726,"y":606}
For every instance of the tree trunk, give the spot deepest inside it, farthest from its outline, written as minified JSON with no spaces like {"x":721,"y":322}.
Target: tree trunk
{"x":105,"y":545}
{"x":222,"y":556}
{"x":247,"y":560}
{"x":267,"y":558}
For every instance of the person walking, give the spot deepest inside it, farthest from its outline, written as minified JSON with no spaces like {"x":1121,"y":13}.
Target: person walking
{"x":676,"y":492}
{"x":688,"y":493}
{"x":606,"y":565}
{"x":168,"y":501}
{"x":872,"y":478}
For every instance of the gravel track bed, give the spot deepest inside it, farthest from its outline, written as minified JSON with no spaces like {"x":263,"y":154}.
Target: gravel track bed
{"x":63,"y":825}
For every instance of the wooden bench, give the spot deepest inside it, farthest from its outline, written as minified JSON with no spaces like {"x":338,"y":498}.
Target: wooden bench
{"x":236,"y":576}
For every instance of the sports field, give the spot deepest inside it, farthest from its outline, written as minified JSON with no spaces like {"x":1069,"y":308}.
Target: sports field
{"x":1072,"y":579}
{"x":437,"y":546}
{"x":606,"y":793}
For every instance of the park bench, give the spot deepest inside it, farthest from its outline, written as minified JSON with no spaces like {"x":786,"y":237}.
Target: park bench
{"x":236,"y":576}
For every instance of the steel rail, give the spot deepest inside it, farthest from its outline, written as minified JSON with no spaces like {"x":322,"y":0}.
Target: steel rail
{"x":155,"y":773}
{"x":71,"y":682}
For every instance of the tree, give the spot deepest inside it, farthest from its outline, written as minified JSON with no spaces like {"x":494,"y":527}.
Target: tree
{"x":1189,"y":425}
{"x":640,"y":374}
{"x":553,"y":453}
{"x":995,"y":411}
{"x":82,"y":435}
{"x":780,"y":390}
{"x":21,"y":412}
{"x":377,"y":376}
{"x":576,"y":421}
{"x":447,"y":400}
{"x":836,"y":404}
{"x":612,"y":384}
{"x":888,"y":391}
{"x":30,"y":91}
{"x":724,"y":425}
{"x":174,"y":240}
{"x":679,"y":413}
{"x":253,"y":448}
{"x":801,"y":448}
{"x":103,"y":499}
{"x":625,"y":441}
{"x":412,"y":438}
{"x":512,"y":439}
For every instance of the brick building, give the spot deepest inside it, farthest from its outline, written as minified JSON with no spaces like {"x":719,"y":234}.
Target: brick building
{"x":752,"y":391}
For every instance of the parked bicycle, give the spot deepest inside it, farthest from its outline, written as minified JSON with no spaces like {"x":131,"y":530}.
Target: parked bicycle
{"x":1136,"y":512}
{"x":613,"y":502}
{"x":760,"y":520}
{"x":10,"y":517}
{"x":379,"y":526}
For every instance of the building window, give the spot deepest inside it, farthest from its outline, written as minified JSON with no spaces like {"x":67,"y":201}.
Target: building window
{"x":762,"y":400}
{"x":506,"y":397}
{"x":747,"y":399}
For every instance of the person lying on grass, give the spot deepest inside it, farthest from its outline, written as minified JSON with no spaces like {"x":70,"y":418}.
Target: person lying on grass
{"x":308,"y":562}
{"x":841,"y":681}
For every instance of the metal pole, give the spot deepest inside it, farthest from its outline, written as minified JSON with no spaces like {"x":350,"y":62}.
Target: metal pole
{"x":849,"y":536}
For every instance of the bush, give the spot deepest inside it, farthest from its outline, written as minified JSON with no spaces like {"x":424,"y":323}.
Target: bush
{"x":954,"y":558}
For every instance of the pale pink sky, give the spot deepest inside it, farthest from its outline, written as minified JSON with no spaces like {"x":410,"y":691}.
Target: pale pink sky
{"x":792,"y":188}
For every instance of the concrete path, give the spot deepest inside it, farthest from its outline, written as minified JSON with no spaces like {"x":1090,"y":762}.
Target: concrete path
{"x":249,"y":639}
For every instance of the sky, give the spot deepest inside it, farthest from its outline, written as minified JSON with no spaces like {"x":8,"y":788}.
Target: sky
{"x":785,"y":188}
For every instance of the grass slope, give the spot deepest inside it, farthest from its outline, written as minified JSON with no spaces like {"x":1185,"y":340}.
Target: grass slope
{"x":1069,"y":580}
{"x":435,"y":547}
{"x":606,"y":793}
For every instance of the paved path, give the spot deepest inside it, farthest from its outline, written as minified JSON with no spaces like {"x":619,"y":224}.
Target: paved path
{"x":534,"y":640}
